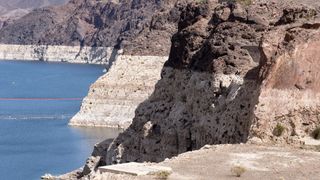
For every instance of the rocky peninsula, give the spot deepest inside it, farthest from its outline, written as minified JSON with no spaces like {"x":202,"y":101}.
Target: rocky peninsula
{"x":93,"y":32}
{"x":237,"y":73}
{"x":114,"y":97}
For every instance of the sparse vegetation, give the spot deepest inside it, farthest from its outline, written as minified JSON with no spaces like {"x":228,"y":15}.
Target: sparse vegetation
{"x":238,"y":170}
{"x":201,"y":1}
{"x":278,"y":130}
{"x":316,"y":133}
{"x":243,"y":2}
{"x":162,"y":175}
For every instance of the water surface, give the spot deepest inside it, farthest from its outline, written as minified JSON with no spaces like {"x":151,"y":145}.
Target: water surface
{"x":37,"y":99}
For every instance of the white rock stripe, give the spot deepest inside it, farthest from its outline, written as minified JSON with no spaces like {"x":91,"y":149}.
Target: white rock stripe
{"x":113,"y":98}
{"x":70,"y":54}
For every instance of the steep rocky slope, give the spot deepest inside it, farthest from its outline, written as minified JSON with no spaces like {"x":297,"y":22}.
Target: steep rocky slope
{"x":31,"y":4}
{"x":100,"y":23}
{"x":15,"y":9}
{"x":82,"y":28}
{"x":236,"y":72}
{"x":113,"y":98}
{"x":140,"y":27}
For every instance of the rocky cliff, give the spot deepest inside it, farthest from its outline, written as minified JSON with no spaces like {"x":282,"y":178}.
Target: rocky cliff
{"x":22,"y":4}
{"x":139,"y":27}
{"x":81,"y":31}
{"x":15,"y":9}
{"x":237,"y":72}
{"x":113,"y":98}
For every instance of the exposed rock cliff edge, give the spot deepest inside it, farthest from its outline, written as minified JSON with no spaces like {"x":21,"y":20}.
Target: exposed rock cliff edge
{"x":237,"y":72}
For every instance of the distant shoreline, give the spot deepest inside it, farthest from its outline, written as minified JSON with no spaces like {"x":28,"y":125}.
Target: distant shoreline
{"x":49,"y":53}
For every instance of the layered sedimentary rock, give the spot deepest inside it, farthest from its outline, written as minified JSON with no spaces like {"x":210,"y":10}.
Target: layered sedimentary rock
{"x":113,"y":98}
{"x":71,"y":54}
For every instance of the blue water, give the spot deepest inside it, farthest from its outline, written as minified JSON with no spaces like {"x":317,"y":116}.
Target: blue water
{"x":34,"y":136}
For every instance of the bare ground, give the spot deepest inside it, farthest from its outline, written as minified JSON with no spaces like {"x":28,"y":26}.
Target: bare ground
{"x":258,"y":162}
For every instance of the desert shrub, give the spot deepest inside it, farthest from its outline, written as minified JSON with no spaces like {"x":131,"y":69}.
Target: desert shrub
{"x":243,"y":2}
{"x":238,"y":170}
{"x":278,"y":130}
{"x":202,"y":1}
{"x":162,"y":175}
{"x":316,"y":133}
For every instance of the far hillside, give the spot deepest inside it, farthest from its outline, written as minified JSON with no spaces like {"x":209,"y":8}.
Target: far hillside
{"x":6,"y":6}
{"x":15,"y":9}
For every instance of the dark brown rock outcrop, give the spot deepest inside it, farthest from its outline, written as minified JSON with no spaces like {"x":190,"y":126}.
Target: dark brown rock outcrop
{"x":140,"y":27}
{"x":236,"y":72}
{"x":15,"y":9}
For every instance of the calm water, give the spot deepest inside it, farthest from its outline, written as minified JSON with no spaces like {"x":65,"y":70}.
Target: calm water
{"x":34,"y":136}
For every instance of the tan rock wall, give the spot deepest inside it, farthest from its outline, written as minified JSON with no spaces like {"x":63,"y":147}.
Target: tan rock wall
{"x":290,"y":95}
{"x":112,"y":100}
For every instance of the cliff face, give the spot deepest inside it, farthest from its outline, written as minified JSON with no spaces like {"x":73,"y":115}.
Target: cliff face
{"x":289,"y":93}
{"x":113,"y":98}
{"x":124,"y":24}
{"x":91,"y":31}
{"x":141,"y":28}
{"x":236,"y":72}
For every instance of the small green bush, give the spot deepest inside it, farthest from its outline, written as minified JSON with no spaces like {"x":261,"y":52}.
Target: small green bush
{"x":316,"y":133}
{"x":278,"y":130}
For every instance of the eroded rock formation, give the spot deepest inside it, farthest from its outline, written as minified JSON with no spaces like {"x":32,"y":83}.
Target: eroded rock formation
{"x":113,"y":98}
{"x":139,"y":27}
{"x":12,"y":10}
{"x":289,"y":93}
{"x":234,"y":73}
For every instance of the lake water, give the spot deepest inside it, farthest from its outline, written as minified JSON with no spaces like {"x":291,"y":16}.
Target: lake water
{"x":37,"y":99}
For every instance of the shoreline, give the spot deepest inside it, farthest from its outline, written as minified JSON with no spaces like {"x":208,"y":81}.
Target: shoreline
{"x":63,"y":54}
{"x":112,"y":100}
{"x":55,"y":62}
{"x":118,"y":67}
